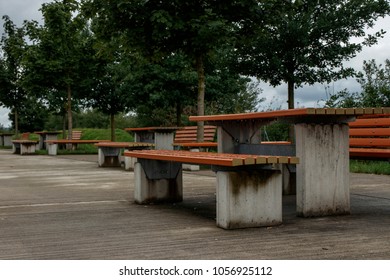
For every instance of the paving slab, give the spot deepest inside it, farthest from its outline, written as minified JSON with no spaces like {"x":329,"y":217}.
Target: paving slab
{"x":66,"y":207}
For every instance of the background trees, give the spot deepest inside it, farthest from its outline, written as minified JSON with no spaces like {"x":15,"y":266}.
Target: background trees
{"x":12,"y":94}
{"x":305,"y":41}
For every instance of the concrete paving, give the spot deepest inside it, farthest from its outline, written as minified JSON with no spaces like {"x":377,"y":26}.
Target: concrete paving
{"x":66,"y":207}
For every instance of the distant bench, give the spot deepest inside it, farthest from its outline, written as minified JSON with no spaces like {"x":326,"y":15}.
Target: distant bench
{"x":109,"y":153}
{"x":186,"y":137}
{"x":52,"y":145}
{"x":369,"y":137}
{"x":249,"y":187}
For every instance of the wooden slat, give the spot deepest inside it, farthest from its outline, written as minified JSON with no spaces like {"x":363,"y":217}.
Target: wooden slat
{"x":369,"y":142}
{"x":124,"y":144}
{"x":207,"y":158}
{"x":197,"y":144}
{"x":370,"y":122}
{"x":369,"y":153}
{"x":369,"y":132}
{"x":67,"y":141}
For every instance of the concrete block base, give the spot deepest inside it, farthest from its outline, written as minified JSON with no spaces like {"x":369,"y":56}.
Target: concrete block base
{"x":322,"y":187}
{"x":157,"y":190}
{"x":109,"y":157}
{"x":52,"y":149}
{"x":249,"y":199}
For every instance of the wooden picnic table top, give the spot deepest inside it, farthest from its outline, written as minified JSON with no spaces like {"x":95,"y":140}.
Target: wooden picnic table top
{"x":75,"y":141}
{"x":153,"y":129}
{"x":302,"y":112}
{"x":124,"y":144}
{"x":24,"y":141}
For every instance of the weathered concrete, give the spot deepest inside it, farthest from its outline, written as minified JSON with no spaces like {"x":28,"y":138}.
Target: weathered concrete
{"x":66,"y":207}
{"x":322,"y":187}
{"x":24,"y":147}
{"x":249,"y":199}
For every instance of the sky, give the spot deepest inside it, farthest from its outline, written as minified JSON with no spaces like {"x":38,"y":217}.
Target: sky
{"x":307,"y":96}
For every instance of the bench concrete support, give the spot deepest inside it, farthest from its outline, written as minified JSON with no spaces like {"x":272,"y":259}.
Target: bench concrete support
{"x":130,"y":163}
{"x":7,"y":140}
{"x":164,"y":140}
{"x":322,"y":187}
{"x":109,"y":157}
{"x":23,"y":148}
{"x":249,"y":199}
{"x":52,"y":148}
{"x":157,"y":181}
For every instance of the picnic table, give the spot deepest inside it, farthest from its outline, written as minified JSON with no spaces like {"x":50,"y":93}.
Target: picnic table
{"x":161,"y":137}
{"x":6,"y":139}
{"x":322,"y":146}
{"x":46,"y":135}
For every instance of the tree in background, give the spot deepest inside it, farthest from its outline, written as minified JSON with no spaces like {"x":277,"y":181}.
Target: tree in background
{"x":156,"y":29}
{"x":12,"y":94}
{"x":59,"y":59}
{"x":305,"y":41}
{"x":375,"y":83}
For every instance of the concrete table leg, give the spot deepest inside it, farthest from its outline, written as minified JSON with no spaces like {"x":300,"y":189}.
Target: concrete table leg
{"x":249,"y":199}
{"x":26,"y":149}
{"x":323,"y":171}
{"x":109,"y":157}
{"x":157,"y":182}
{"x":52,"y":149}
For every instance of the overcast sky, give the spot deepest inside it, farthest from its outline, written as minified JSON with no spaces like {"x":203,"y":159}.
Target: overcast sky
{"x":308,"y":96}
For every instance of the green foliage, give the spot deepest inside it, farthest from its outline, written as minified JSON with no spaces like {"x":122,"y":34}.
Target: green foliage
{"x":375,"y":83}
{"x":372,"y":167}
{"x":12,"y":94}
{"x":305,"y":42}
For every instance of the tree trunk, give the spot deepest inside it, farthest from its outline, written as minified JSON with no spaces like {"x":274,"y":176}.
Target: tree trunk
{"x":69,"y":109}
{"x":112,"y":122}
{"x":201,"y":94}
{"x":291,"y":102}
{"x":16,"y":121}
{"x":178,"y":114}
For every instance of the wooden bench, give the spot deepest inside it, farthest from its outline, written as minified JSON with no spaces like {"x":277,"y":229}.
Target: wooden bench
{"x":24,"y":147}
{"x":249,"y":187}
{"x":109,"y":153}
{"x":187,"y":137}
{"x":369,"y":137}
{"x":52,"y":145}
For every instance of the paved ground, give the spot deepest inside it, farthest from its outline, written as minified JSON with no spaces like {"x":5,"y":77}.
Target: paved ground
{"x":69,"y":208}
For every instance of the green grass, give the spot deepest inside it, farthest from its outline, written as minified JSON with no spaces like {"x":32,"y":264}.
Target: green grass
{"x":370,"y":166}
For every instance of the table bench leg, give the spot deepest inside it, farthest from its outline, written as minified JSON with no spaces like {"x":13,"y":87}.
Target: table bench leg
{"x":157,"y":182}
{"x":323,"y":171}
{"x":109,"y":157}
{"x":52,"y":149}
{"x":249,"y":199}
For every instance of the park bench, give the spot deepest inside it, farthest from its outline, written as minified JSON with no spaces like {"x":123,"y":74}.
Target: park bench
{"x":369,"y":137}
{"x":24,"y":147}
{"x":186,"y":138}
{"x":52,"y":145}
{"x":109,"y":153}
{"x":249,"y":187}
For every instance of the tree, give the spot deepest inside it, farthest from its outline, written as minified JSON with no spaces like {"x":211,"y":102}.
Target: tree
{"x":59,"y":59}
{"x":12,"y":94}
{"x":375,"y":83}
{"x":304,"y":42}
{"x":157,"y":29}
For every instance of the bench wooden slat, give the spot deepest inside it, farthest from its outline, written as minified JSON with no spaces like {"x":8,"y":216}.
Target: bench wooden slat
{"x":124,"y":144}
{"x":73,"y":141}
{"x":370,"y":132}
{"x":369,"y":153}
{"x":371,"y":122}
{"x":369,"y":142}
{"x":207,"y":158}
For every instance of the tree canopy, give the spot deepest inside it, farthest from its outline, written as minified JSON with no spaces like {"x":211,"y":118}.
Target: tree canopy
{"x":305,"y":42}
